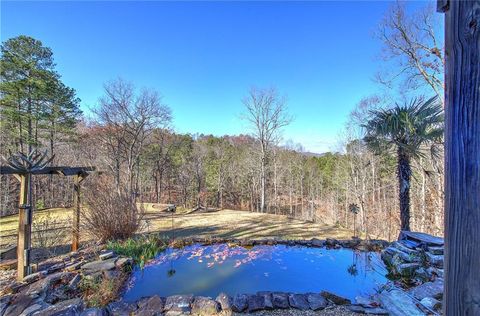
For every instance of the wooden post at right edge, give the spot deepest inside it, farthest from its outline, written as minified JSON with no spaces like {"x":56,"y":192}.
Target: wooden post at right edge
{"x":462,"y":157}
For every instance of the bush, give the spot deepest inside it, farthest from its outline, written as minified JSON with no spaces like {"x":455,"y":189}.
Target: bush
{"x":110,"y":214}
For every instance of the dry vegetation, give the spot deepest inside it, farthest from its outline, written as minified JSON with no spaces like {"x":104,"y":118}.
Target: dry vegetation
{"x":224,"y":223}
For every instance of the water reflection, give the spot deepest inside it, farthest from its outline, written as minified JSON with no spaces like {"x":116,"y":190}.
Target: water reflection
{"x":209,"y":270}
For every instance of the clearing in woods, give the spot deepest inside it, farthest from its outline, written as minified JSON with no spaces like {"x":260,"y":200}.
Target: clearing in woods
{"x":224,"y":223}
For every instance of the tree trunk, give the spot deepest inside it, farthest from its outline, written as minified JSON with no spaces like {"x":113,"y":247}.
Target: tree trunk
{"x":462,"y":157}
{"x":404,"y":173}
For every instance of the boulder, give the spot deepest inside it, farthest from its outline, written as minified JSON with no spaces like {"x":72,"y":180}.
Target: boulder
{"x":179,"y":303}
{"x":4,"y":302}
{"x":406,"y":269}
{"x":240,"y":303}
{"x":435,"y":250}
{"x":99,"y":265}
{"x":435,"y":260}
{"x":256,"y":303}
{"x":280,"y":300}
{"x":94,"y":312}
{"x":106,"y":255}
{"x":317,"y":242}
{"x":431,"y":303}
{"x":65,"y":308}
{"x":336,"y":299}
{"x":397,"y":303}
{"x":34,"y":277}
{"x":74,"y":266}
{"x":316,"y":301}
{"x":30,"y":310}
{"x":18,"y":305}
{"x":225,"y":301}
{"x":120,"y":308}
{"x":150,"y":306}
{"x":298,"y":301}
{"x":267,"y":299}
{"x":367,"y":310}
{"x":404,"y":248}
{"x":428,"y":289}
{"x":73,"y":284}
{"x":123,"y":263}
{"x":205,"y":306}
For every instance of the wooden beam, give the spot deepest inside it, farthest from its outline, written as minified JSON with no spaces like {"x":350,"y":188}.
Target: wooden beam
{"x":24,"y":228}
{"x":76,"y":213}
{"x":462,"y":157}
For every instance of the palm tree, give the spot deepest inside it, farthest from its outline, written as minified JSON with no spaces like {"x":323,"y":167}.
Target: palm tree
{"x":412,"y":129}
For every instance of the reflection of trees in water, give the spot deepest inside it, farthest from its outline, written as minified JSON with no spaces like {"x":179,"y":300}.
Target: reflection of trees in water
{"x":215,"y":254}
{"x":361,"y":262}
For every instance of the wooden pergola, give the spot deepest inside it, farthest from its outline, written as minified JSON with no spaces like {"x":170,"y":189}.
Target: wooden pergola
{"x":25,"y":212}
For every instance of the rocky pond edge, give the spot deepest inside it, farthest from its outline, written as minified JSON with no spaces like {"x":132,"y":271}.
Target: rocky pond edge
{"x":53,"y":290}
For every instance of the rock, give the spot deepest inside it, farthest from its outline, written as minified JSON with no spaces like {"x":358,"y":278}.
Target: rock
{"x":106,"y":255}
{"x":267,"y":299}
{"x":66,"y":308}
{"x":100,"y":265}
{"x":33,"y":308}
{"x":428,"y":289}
{"x":73,"y":284}
{"x":42,"y":287}
{"x":179,"y":303}
{"x":110,"y":274}
{"x":225,"y":301}
{"x":317,"y":242}
{"x":331,"y":242}
{"x":316,"y":301}
{"x":365,"y":302}
{"x":4,"y":302}
{"x":406,"y":269}
{"x":150,"y":306}
{"x":240,"y":303}
{"x":255,"y":303}
{"x":335,"y":299}
{"x":435,"y":250}
{"x":298,"y":301}
{"x":74,"y":266}
{"x":205,"y":306}
{"x":280,"y":300}
{"x":402,"y":247}
{"x":431,"y":303}
{"x":393,"y":256}
{"x":94,"y":312}
{"x":435,"y":260}
{"x":59,"y":293}
{"x":397,"y":303}
{"x":34,"y":277}
{"x":422,"y":274}
{"x":367,"y":310}
{"x":18,"y":305}
{"x":123,"y":263}
{"x":120,"y":308}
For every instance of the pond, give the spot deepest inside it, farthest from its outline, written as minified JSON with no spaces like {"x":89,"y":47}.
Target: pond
{"x":209,"y":270}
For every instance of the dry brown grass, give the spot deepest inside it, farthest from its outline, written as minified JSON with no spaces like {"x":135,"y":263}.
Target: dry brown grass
{"x":224,"y":223}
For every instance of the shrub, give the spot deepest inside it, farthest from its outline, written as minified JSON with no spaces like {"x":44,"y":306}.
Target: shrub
{"x":110,"y":214}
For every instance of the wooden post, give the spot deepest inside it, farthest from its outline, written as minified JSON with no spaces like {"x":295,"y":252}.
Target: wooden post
{"x":76,"y":212}
{"x":462,"y":156}
{"x":24,"y":227}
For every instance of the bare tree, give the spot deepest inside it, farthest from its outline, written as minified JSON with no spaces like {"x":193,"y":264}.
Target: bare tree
{"x":412,"y":42}
{"x":127,"y":120}
{"x":267,"y":114}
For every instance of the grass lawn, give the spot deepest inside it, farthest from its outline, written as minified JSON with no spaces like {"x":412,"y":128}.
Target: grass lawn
{"x":224,"y":223}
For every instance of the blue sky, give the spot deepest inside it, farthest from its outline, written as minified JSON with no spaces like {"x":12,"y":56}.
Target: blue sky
{"x":204,"y":56}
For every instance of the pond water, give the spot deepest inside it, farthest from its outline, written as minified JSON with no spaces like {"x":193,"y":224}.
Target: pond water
{"x":209,"y":270}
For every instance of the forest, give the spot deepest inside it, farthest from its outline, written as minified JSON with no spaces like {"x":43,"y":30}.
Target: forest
{"x":130,"y":137}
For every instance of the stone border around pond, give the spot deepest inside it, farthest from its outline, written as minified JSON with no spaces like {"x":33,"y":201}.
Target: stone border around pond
{"x":54,"y":289}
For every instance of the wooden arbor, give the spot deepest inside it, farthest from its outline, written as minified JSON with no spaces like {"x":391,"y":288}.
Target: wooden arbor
{"x":24,"y":175}
{"x":462,"y":156}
